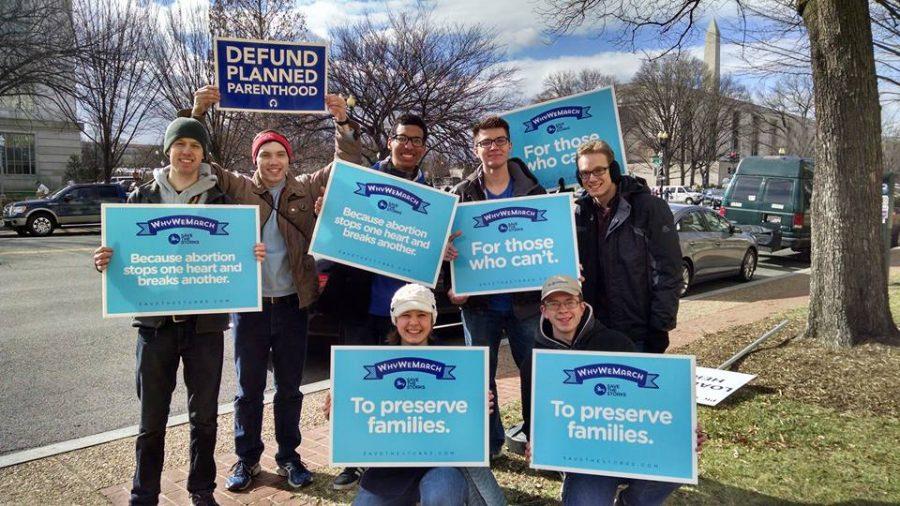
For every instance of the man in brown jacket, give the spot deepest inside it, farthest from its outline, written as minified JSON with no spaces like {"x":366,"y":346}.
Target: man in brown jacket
{"x":289,"y":286}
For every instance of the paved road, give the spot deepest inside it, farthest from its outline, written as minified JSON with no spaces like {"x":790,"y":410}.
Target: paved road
{"x":66,"y":373}
{"x":770,"y":265}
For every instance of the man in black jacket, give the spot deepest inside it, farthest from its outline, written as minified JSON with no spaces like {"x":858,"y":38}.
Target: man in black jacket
{"x":567,"y":323}
{"x":629,"y":251}
{"x":486,"y":317}
{"x":163,"y":341}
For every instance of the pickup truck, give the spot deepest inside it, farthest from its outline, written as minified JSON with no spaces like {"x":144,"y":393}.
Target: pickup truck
{"x":74,"y":205}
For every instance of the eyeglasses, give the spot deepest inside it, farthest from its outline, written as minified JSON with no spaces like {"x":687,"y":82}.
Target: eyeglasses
{"x":555,"y":305}
{"x":586,"y":175}
{"x":403,"y":139}
{"x":499,"y":142}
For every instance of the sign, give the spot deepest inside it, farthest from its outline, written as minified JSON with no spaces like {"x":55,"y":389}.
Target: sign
{"x":409,"y":406}
{"x":714,"y":385}
{"x":547,"y":135}
{"x":383,"y":224}
{"x":630,"y":415}
{"x":513,"y":245}
{"x":271,"y":76}
{"x":180,"y":259}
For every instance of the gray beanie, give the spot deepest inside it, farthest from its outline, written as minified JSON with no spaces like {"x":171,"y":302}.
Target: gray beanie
{"x":186,"y":127}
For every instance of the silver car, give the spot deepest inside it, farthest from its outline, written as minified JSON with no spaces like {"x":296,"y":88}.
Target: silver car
{"x":711,"y":247}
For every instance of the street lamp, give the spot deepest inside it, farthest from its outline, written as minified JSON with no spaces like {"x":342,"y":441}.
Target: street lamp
{"x":663,"y":138}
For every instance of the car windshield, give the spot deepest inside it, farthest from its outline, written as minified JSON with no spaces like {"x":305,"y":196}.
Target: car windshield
{"x":59,"y":193}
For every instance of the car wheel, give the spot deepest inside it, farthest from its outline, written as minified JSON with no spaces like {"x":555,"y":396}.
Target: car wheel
{"x":748,"y":266}
{"x":686,"y":275}
{"x":21,"y":230}
{"x":40,"y":224}
{"x":689,"y":201}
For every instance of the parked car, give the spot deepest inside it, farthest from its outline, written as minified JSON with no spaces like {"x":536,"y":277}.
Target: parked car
{"x":711,"y":247}
{"x":74,"y":205}
{"x":681,"y":194}
{"x":712,"y":197}
{"x":773,"y":192}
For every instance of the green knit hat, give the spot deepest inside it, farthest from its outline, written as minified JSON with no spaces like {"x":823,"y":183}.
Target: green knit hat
{"x":186,"y":127}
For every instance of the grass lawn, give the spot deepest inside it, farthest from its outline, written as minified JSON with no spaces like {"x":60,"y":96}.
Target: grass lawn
{"x":816,"y":426}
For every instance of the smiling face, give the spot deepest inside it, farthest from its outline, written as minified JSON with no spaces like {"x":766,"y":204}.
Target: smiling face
{"x":406,"y":155}
{"x":492,"y":156}
{"x":593,"y":168}
{"x":414,"y":327}
{"x":272,"y":163}
{"x":564,"y":312}
{"x":185,"y":156}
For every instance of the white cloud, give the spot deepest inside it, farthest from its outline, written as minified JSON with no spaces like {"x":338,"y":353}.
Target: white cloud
{"x":619,"y":64}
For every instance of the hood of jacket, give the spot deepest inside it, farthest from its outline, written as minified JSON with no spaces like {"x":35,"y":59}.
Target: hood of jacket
{"x":545,"y":336}
{"x":205,"y":182}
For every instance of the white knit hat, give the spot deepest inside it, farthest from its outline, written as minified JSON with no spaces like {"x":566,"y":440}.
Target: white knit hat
{"x":413,"y":297}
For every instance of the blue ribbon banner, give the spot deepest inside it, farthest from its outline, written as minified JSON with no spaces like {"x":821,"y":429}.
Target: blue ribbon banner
{"x":557,"y":113}
{"x":581,"y":374}
{"x":368,"y":189}
{"x":503,"y":213}
{"x":437,"y":369}
{"x":152,"y":227}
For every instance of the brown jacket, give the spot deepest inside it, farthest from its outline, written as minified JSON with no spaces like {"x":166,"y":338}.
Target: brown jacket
{"x":295,"y":208}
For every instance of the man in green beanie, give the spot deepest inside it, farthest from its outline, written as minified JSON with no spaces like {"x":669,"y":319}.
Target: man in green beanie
{"x":164,"y":341}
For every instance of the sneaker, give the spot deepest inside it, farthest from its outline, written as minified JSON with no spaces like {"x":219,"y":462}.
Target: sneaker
{"x":241,"y":476}
{"x":348,"y":478}
{"x":297,"y":474}
{"x":203,"y":499}
{"x":499,"y":453}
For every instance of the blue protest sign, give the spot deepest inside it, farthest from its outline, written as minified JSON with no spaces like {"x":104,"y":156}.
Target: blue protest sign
{"x":409,"y":406}
{"x":614,"y":414}
{"x":547,"y":135}
{"x":271,"y":76}
{"x":180,"y":259}
{"x":383,"y":224}
{"x":513,"y":245}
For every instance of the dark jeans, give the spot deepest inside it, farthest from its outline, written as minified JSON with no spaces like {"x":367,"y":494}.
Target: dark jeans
{"x":586,"y":489}
{"x":370,"y":330}
{"x":158,"y":353}
{"x":484,"y":327}
{"x":280,"y":328}
{"x":440,"y":486}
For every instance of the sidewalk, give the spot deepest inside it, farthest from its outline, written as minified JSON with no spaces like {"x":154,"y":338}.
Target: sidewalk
{"x":102,"y":474}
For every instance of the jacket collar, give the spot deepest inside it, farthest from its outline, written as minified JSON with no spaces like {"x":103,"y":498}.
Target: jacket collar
{"x":585,"y":326}
{"x":291,"y":186}
{"x":524,"y":182}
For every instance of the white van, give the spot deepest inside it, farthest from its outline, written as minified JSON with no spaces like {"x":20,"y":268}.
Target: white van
{"x":681,"y":194}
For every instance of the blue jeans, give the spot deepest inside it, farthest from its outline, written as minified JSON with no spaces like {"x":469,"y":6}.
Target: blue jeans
{"x":440,"y":486}
{"x":280,"y":328}
{"x":158,"y":353}
{"x":588,"y":489}
{"x":483,"y":327}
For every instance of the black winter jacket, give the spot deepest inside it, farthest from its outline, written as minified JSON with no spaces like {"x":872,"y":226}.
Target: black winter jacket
{"x":590,"y":336}
{"x":638,"y":264}
{"x":471,"y":189}
{"x":149,"y":193}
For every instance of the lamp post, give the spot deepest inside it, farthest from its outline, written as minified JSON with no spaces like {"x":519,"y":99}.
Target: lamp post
{"x":663,"y":138}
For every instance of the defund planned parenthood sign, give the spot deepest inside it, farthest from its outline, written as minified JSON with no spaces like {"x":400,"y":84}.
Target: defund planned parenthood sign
{"x":271,"y":76}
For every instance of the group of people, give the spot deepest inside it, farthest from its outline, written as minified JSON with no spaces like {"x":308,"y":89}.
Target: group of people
{"x":627,"y":299}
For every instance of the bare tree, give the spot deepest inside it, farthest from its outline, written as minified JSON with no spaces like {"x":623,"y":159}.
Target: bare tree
{"x":114,"y":85}
{"x":848,"y":298}
{"x":659,"y":99}
{"x":777,"y":42}
{"x":568,"y":82}
{"x":450,"y":75}
{"x":792,"y":113}
{"x":36,"y":48}
{"x":709,"y":119}
{"x":258,"y":19}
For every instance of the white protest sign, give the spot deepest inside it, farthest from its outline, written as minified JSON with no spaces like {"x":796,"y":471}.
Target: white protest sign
{"x":714,"y":385}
